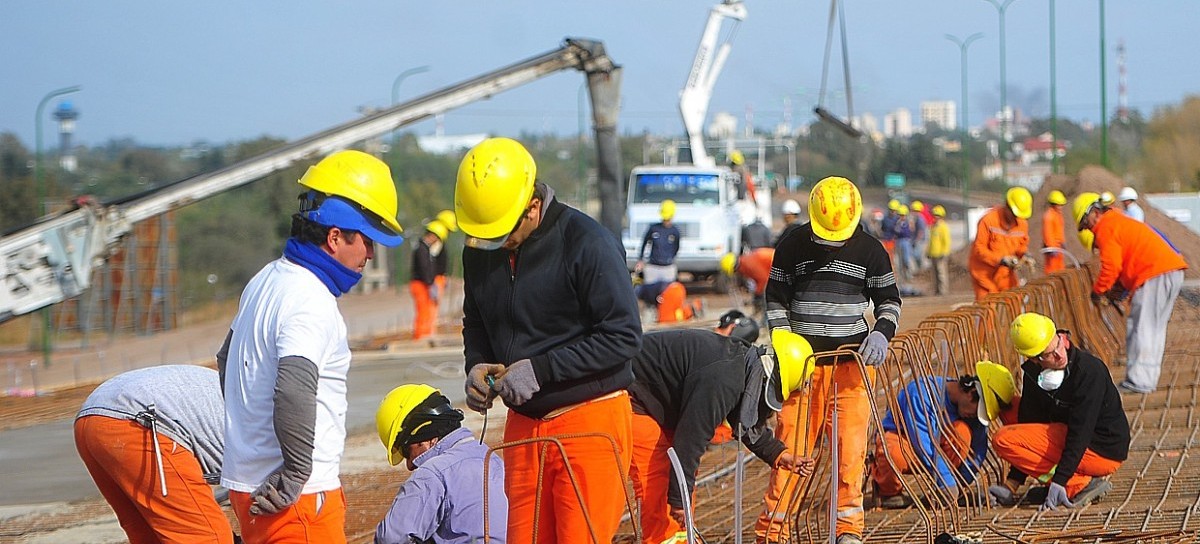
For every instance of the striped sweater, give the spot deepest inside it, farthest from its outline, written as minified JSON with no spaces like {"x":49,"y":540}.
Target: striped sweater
{"x":822,"y":292}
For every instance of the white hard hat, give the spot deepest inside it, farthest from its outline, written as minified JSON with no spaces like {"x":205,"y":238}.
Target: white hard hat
{"x":791,"y":207}
{"x":1127,"y":194}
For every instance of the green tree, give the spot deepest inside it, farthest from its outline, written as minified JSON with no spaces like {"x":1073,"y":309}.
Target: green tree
{"x":1169,"y":159}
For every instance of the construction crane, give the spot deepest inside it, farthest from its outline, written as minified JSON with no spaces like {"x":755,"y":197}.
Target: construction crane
{"x":52,"y":259}
{"x":710,"y":59}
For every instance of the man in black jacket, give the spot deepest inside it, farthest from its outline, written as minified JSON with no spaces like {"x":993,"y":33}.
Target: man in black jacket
{"x":550,"y":325}
{"x":688,"y":382}
{"x":1071,"y":430}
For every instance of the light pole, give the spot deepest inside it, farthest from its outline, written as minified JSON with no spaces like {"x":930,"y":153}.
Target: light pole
{"x":399,"y":78}
{"x":37,"y":177}
{"x":966,"y":131}
{"x":1053,"y":99}
{"x":1103,"y":95}
{"x":1001,"y":9}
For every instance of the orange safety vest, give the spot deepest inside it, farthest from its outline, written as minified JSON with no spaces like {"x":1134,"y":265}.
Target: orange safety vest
{"x":1130,"y":252}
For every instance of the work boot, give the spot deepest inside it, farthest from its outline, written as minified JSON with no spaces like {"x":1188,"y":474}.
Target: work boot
{"x":849,"y":538}
{"x":896,"y":502}
{"x":1093,"y":492}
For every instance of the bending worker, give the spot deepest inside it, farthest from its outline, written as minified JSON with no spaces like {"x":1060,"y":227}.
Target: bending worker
{"x":285,"y":391}
{"x":1053,"y":231}
{"x":423,"y":283}
{"x":754,"y":268}
{"x":1134,"y":258}
{"x":663,"y":240}
{"x":823,"y":276}
{"x":1001,"y":242}
{"x":1071,"y":430}
{"x":442,"y":502}
{"x":152,"y":440}
{"x":549,"y":316}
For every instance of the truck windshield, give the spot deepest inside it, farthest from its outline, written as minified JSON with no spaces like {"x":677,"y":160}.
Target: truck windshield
{"x":700,"y":189}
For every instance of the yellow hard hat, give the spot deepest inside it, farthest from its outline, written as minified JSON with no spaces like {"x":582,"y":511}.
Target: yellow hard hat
{"x":902,"y":210}
{"x":1057,"y":197}
{"x":1087,"y":238}
{"x":667,"y":210}
{"x":1107,"y":199}
{"x":495,"y":184}
{"x":447,"y":218}
{"x":894,"y":204}
{"x":438,"y":229}
{"x":1031,"y":333}
{"x":729,"y":264}
{"x":917,"y":206}
{"x":363,"y":180}
{"x":393,"y":410}
{"x":793,"y":356}
{"x":939,"y":211}
{"x":1020,"y":201}
{"x":834,"y":208}
{"x":737,"y":158}
{"x":1082,"y":205}
{"x":995,"y":385}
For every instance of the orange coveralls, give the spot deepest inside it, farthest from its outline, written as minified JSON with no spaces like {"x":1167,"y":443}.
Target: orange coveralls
{"x":1053,"y":236}
{"x":1130,"y":252}
{"x":995,"y":240}
{"x":756,"y":265}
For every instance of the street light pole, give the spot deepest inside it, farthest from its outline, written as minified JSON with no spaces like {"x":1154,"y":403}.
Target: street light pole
{"x":1103,"y":95}
{"x":396,"y":89}
{"x":41,"y":195}
{"x":1053,"y":98}
{"x":1001,"y":9}
{"x":966,"y":130}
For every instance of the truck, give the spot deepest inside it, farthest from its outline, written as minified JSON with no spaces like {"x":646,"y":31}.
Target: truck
{"x":712,"y":201}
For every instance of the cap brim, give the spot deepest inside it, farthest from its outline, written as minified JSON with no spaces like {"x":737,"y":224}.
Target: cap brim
{"x":773,"y":393}
{"x":486,"y":244}
{"x":336,"y":212}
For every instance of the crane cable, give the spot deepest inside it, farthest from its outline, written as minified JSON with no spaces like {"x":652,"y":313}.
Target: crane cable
{"x":835,"y":10}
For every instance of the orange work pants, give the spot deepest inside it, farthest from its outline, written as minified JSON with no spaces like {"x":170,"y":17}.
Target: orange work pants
{"x":672,"y":304}
{"x":554,"y":511}
{"x":426,"y":309}
{"x":887,"y":476}
{"x":805,"y":414}
{"x":651,"y":474}
{"x":313,"y":518}
{"x":1054,"y":262}
{"x":987,"y":280}
{"x":1035,"y":448}
{"x":119,"y":454}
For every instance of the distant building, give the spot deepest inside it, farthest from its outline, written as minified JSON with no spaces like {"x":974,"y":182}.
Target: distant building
{"x":898,"y":123}
{"x":723,"y":126}
{"x":66,"y":115}
{"x":442,"y":144}
{"x":941,"y":113}
{"x":1039,"y":149}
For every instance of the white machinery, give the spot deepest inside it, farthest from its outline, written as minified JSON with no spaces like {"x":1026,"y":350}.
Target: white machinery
{"x":52,"y":260}
{"x":710,"y":59}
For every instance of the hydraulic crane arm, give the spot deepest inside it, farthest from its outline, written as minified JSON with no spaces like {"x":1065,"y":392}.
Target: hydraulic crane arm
{"x":52,"y":259}
{"x":710,"y":59}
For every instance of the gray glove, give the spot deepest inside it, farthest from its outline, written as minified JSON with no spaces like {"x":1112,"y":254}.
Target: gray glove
{"x":518,"y":384}
{"x":1056,"y":496}
{"x":1010,"y":261}
{"x":434,"y":292}
{"x":481,"y":392}
{"x":873,"y":349}
{"x":1001,"y":495}
{"x":277,"y":493}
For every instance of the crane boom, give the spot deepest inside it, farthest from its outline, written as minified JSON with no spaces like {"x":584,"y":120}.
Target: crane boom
{"x":51,"y":260}
{"x":710,"y":59}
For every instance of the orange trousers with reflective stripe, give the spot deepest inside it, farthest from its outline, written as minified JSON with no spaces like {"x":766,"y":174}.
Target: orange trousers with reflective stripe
{"x":804,"y":415}
{"x":119,"y":454}
{"x":903,"y":457}
{"x":599,"y":473}
{"x":316,"y":518}
{"x":651,"y":475}
{"x":1035,"y":448}
{"x":425,"y":308}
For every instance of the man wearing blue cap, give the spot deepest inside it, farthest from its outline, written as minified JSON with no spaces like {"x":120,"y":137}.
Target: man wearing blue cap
{"x":285,"y":392}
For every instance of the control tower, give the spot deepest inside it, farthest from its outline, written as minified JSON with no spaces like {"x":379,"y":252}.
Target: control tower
{"x":66,"y":115}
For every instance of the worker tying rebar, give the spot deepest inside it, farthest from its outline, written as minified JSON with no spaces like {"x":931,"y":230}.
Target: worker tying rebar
{"x":1001,"y":244}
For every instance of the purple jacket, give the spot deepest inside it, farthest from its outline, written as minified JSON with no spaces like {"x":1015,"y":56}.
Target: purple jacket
{"x":442,"y":501}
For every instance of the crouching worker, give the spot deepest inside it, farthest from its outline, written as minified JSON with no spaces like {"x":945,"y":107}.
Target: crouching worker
{"x":152,"y":440}
{"x":442,"y":502}
{"x":670,"y":299}
{"x":969,"y":404}
{"x":687,"y":383}
{"x":1071,"y":430}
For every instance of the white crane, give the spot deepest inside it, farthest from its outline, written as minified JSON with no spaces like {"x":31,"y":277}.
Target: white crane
{"x":710,"y":58}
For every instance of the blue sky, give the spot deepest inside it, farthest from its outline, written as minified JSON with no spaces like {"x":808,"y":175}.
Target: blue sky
{"x":170,"y":73}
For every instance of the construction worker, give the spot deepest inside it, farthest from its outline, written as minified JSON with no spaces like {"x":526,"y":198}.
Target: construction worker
{"x":285,"y":386}
{"x":1053,"y":234}
{"x":1001,"y":242}
{"x":823,"y":275}
{"x":939,"y":250}
{"x":423,"y":283}
{"x":688,"y":382}
{"x":951,"y":454}
{"x":755,"y":268}
{"x":736,"y":324}
{"x":670,"y":302}
{"x":152,"y":440}
{"x":1107,"y":199}
{"x":1127,"y":200}
{"x":744,"y":180}
{"x":1134,"y":258}
{"x":550,"y":318}
{"x":1071,"y":431}
{"x":443,"y":500}
{"x":441,"y":261}
{"x":921,"y":219}
{"x":756,"y":235}
{"x":902,"y":229}
{"x":887,"y":228}
{"x":663,"y":240}
{"x":791,"y":218}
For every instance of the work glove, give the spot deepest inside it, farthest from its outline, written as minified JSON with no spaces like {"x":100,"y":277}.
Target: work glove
{"x":518,"y":384}
{"x":1010,"y":261}
{"x":873,"y":349}
{"x":1001,"y":495}
{"x":480,"y":392}
{"x":277,"y":493}
{"x":1056,"y":496}
{"x":434,"y":293}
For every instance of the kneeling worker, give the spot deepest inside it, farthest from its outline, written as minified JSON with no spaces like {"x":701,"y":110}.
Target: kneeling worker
{"x":442,"y":502}
{"x":1071,"y":430}
{"x":687,"y":383}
